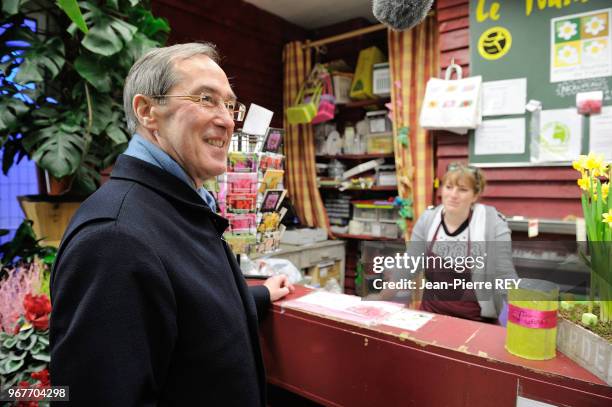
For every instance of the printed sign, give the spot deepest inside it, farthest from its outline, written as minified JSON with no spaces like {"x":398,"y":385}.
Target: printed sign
{"x":580,"y":46}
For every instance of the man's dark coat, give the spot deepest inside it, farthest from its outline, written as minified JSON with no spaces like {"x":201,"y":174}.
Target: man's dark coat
{"x":149,"y":304}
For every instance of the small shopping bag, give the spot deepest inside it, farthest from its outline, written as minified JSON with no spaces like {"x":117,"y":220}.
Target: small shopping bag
{"x":306,"y":105}
{"x":453,"y":105}
{"x":327,"y":106}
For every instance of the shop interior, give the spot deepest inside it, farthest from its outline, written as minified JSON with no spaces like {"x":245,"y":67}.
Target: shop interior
{"x":337,"y":160}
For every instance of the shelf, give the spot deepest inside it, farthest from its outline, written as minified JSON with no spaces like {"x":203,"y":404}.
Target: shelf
{"x":374,"y":188}
{"x":363,"y":103}
{"x":364,"y":237}
{"x":357,"y":156}
{"x":556,"y":226}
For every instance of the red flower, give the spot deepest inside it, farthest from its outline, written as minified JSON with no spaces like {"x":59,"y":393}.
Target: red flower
{"x":37,"y":309}
{"x":42,"y":376}
{"x":26,"y":385}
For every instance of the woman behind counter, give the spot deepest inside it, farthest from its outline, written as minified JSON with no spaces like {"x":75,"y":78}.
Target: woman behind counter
{"x":461,"y":227}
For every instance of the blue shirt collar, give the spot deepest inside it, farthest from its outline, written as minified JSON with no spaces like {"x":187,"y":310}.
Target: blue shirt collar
{"x":146,"y":151}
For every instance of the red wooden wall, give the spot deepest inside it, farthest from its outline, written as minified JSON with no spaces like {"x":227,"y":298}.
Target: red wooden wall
{"x":543,"y":192}
{"x":250,"y":41}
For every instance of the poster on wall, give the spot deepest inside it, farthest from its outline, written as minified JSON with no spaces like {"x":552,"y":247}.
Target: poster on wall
{"x":580,"y":46}
{"x":560,"y":136}
{"x":600,"y":140}
{"x":503,"y":136}
{"x":504,"y":97}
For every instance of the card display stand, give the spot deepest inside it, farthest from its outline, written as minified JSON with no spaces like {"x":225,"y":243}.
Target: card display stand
{"x":251,"y":192}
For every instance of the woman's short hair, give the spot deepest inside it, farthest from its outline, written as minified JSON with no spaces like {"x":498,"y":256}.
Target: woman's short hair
{"x":153,"y":73}
{"x":472,"y":175}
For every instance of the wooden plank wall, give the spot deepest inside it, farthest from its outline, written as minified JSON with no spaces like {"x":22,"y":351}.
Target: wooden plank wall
{"x":250,"y":41}
{"x":543,"y":192}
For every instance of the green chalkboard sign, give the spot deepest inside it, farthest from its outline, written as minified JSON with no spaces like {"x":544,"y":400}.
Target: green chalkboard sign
{"x":561,"y":49}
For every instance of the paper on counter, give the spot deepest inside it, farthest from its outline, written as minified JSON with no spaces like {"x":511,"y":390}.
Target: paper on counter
{"x":560,"y":136}
{"x":407,"y":319}
{"x":600,"y":133}
{"x":257,"y":120}
{"x":501,"y":136}
{"x":504,"y":97}
{"x":346,"y":307}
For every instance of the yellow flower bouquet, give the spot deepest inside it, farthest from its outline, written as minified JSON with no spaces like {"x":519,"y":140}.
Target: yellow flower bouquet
{"x":597,"y":208}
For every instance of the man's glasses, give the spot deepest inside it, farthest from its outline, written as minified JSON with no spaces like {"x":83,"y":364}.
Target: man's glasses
{"x":236,"y":109}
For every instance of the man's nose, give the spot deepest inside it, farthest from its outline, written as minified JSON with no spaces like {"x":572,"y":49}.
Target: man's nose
{"x":224,"y":118}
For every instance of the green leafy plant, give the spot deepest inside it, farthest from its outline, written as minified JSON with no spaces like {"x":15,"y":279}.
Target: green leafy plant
{"x":25,"y":247}
{"x":597,"y":207}
{"x":62,"y":85}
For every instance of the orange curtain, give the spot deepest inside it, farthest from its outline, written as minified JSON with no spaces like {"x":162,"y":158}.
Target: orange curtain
{"x":413,"y":59}
{"x":300,"y":173}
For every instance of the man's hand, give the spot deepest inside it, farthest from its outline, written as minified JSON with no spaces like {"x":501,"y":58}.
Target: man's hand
{"x":278,"y":286}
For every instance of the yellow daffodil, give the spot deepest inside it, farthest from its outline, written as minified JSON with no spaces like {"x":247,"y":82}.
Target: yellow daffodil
{"x":580,"y":163}
{"x":607,"y":217}
{"x":595,"y":164}
{"x":605,"y":190}
{"x":601,"y":171}
{"x":584,"y":183}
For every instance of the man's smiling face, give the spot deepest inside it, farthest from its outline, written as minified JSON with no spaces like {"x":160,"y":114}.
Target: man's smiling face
{"x":195,"y":136}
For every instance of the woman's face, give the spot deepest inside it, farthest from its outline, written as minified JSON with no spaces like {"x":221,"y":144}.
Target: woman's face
{"x":458,"y":196}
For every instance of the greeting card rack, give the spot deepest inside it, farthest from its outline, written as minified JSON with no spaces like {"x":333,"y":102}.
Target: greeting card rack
{"x":251,"y":192}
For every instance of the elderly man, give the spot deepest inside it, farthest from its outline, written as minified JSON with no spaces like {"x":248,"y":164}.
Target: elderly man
{"x":149,"y":304}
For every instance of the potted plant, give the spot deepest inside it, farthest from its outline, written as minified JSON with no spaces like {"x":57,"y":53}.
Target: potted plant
{"x":588,"y":337}
{"x":24,"y":310}
{"x":24,"y":325}
{"x":63,"y":66}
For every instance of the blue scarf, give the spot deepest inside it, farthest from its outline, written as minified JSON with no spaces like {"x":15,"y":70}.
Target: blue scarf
{"x":146,"y":151}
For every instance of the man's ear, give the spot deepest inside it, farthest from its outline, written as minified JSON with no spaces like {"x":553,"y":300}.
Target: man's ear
{"x":144,"y":109}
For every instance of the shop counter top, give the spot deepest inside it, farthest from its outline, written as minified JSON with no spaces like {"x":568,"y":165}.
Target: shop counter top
{"x":447,"y":362}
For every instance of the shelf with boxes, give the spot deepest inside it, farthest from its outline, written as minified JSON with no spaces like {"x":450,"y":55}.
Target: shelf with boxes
{"x":357,"y":169}
{"x":374,"y":218}
{"x":365,"y":147}
{"x":355,"y":157}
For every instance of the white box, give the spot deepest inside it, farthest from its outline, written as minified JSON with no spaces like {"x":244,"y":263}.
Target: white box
{"x":378,"y":121}
{"x":304,"y":236}
{"x":381,"y":80}
{"x":386,"y":178}
{"x":389,"y":230}
{"x":342,"y":86}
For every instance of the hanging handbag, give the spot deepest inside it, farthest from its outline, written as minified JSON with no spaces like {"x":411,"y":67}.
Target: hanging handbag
{"x":327,"y":106}
{"x":307,"y":101}
{"x":306,"y":105}
{"x":453,"y":105}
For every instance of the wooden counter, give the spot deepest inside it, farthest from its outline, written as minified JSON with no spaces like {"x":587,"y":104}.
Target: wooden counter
{"x":448,"y":362}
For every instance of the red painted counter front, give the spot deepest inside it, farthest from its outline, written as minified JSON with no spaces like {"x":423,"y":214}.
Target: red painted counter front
{"x":448,"y":362}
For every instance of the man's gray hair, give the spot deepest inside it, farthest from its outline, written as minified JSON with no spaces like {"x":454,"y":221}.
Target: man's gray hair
{"x":153,"y":73}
